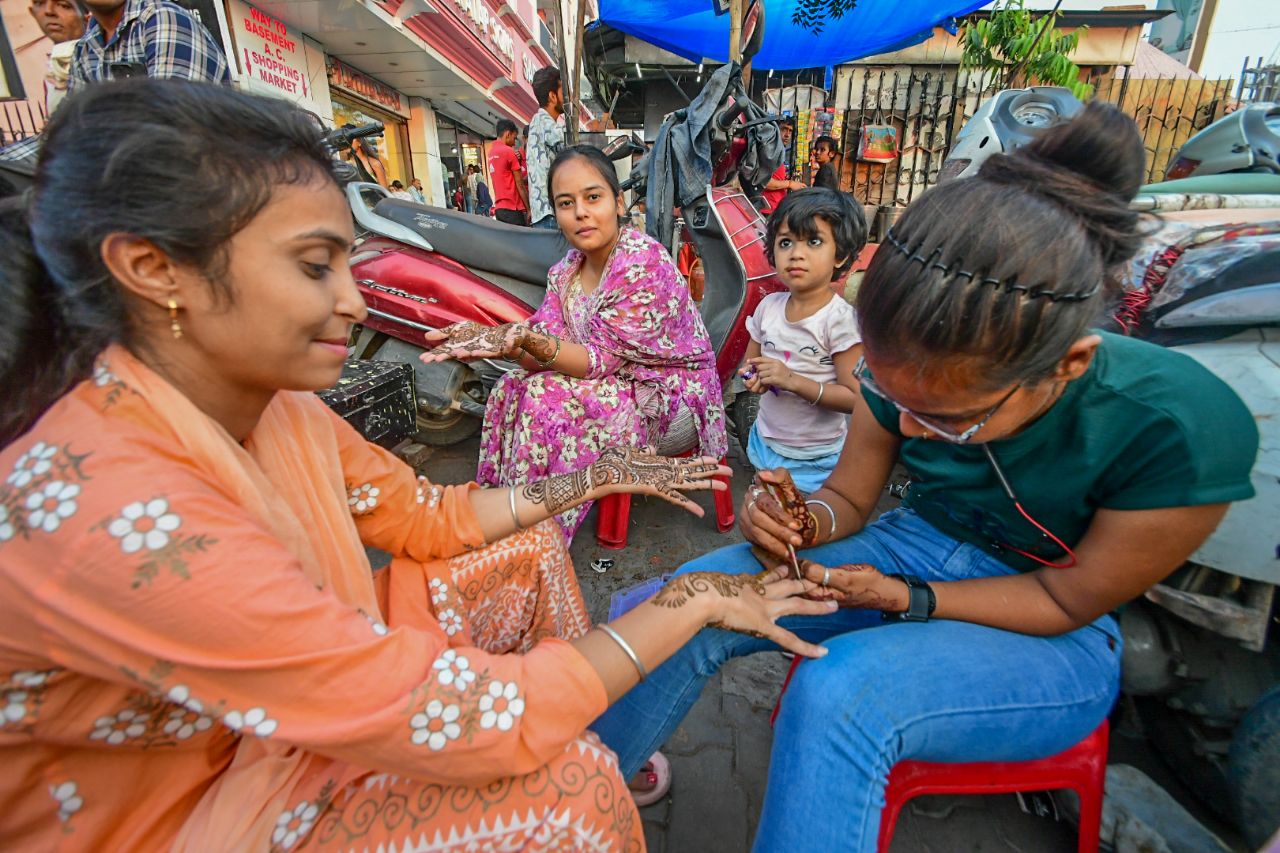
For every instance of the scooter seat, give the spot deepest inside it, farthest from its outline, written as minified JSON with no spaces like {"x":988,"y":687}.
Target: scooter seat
{"x":525,"y":254}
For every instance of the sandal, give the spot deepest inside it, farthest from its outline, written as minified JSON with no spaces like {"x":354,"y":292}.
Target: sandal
{"x":658,"y":772}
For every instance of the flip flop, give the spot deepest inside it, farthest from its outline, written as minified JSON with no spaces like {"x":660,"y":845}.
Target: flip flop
{"x":659,"y":770}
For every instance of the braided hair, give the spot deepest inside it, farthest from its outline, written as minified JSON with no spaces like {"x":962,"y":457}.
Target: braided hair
{"x":1014,"y":265}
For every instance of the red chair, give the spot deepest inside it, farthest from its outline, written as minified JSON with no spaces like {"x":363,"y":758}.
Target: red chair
{"x":1082,"y":768}
{"x":614,"y":514}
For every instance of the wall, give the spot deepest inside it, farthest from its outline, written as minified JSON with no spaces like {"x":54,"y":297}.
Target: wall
{"x":1098,"y":46}
{"x":424,"y":146}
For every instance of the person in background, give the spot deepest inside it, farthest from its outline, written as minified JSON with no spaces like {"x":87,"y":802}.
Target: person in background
{"x":62,"y":22}
{"x":484,"y":201}
{"x":787,"y":132}
{"x":415,"y":190}
{"x":135,"y":38}
{"x":825,"y":153}
{"x":398,"y":191}
{"x":469,"y":186}
{"x":152,"y":37}
{"x":510,"y":202}
{"x":778,"y":187}
{"x":546,"y":138}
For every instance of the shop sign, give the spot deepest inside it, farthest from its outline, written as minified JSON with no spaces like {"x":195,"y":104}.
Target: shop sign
{"x":486,"y":24}
{"x":530,"y":68}
{"x":272,"y":55}
{"x":344,"y":78}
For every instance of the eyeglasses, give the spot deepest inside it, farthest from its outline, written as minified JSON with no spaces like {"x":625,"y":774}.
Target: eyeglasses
{"x":934,"y":426}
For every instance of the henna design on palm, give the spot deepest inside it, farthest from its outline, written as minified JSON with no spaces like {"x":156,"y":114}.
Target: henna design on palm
{"x":853,"y":589}
{"x":468,"y":340}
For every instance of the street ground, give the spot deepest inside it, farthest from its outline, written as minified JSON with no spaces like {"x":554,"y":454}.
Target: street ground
{"x":720,"y":755}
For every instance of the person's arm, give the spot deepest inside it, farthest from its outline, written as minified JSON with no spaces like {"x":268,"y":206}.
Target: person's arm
{"x":852,"y":490}
{"x":1123,"y":554}
{"x":521,"y":182}
{"x":783,"y":184}
{"x":407,"y":515}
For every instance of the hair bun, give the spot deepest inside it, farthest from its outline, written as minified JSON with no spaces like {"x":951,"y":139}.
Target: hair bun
{"x":1092,"y":167}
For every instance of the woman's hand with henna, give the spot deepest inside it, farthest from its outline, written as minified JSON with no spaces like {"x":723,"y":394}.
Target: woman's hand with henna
{"x":775,"y":514}
{"x":468,"y":341}
{"x":746,"y":604}
{"x":857,"y":585}
{"x":626,"y":469}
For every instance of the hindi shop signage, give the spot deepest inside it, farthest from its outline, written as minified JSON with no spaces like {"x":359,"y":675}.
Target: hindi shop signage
{"x":486,"y":24}
{"x":346,"y":79}
{"x":272,"y":55}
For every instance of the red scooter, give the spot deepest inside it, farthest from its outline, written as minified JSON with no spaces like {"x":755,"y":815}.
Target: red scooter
{"x":422,"y":268}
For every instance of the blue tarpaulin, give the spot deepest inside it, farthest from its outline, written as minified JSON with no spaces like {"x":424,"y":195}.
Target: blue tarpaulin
{"x":691,"y":29}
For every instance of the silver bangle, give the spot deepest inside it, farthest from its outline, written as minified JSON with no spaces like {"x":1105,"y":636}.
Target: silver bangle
{"x":626,"y":648}
{"x":822,"y":387}
{"x":511,"y":500}
{"x":828,"y":508}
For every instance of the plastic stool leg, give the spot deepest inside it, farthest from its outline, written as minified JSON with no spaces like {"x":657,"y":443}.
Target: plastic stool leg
{"x":724,"y":505}
{"x":1090,"y":818}
{"x":613,"y":520}
{"x":894,"y":801}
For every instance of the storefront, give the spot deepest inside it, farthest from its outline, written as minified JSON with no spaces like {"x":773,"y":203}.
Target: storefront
{"x":460,"y":147}
{"x":358,"y":99}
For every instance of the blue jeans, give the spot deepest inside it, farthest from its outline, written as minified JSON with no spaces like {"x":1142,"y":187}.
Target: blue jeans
{"x":548,"y":221}
{"x":939,"y":691}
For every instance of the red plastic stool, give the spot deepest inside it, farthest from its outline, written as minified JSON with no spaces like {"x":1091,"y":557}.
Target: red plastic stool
{"x":615,"y":514}
{"x":1082,"y":768}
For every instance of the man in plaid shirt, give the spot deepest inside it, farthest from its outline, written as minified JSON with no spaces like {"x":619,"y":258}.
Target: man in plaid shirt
{"x":128,"y":38}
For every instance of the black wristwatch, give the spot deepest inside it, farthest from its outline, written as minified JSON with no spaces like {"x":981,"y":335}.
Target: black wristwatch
{"x":921,"y":601}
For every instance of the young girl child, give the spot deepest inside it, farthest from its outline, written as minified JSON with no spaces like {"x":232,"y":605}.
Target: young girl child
{"x":804,"y":343}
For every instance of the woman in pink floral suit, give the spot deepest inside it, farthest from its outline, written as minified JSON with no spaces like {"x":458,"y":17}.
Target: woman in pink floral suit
{"x":616,"y":355}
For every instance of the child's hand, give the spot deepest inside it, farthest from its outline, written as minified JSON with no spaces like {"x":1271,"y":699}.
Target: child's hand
{"x":771,"y":373}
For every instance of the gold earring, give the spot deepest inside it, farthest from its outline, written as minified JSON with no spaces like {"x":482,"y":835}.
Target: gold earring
{"x":173,"y":319}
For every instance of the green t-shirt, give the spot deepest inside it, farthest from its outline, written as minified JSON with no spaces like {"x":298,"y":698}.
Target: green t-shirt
{"x":1143,"y":428}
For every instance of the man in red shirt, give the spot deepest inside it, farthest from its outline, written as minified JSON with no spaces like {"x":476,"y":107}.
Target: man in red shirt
{"x":509,"y":201}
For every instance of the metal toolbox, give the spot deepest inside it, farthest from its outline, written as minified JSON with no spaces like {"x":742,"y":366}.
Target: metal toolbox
{"x":376,"y":397}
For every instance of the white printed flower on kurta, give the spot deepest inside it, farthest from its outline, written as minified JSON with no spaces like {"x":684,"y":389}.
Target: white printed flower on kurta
{"x":183,"y":723}
{"x":118,"y":728}
{"x":102,"y":375}
{"x":52,"y":505}
{"x":500,"y":706}
{"x":439,"y":591}
{"x":14,"y":707}
{"x":33,"y":463}
{"x":436,"y":725}
{"x":293,"y":825}
{"x":454,"y":669}
{"x":363,"y":498}
{"x":6,"y":525}
{"x":144,"y":525}
{"x":378,"y":627}
{"x":180,"y":694}
{"x":253,"y":722}
{"x":69,"y":802}
{"x":450,"y":622}
{"x":32,"y":678}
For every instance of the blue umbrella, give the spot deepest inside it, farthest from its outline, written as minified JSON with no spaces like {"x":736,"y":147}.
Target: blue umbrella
{"x":691,"y":29}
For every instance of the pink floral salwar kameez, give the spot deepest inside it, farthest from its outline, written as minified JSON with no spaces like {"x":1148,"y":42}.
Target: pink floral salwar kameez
{"x":652,"y":373}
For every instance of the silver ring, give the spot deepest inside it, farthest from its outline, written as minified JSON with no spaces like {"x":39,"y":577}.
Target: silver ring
{"x":751,"y":503}
{"x":826,"y":575}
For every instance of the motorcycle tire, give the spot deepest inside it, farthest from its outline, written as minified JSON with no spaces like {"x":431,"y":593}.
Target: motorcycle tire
{"x":1254,"y":770}
{"x":743,"y":413}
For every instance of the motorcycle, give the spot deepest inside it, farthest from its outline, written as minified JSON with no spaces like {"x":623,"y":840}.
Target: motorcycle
{"x":421,"y":268}
{"x":1201,"y":663}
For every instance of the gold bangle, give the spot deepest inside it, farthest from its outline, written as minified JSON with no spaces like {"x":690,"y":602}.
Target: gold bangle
{"x":551,"y":360}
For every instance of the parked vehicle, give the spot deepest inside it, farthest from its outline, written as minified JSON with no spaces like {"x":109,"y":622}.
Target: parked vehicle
{"x":1247,"y":140}
{"x":421,"y":268}
{"x":1202,"y":651}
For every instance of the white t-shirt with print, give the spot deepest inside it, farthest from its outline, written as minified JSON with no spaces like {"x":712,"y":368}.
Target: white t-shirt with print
{"x":807,"y":348}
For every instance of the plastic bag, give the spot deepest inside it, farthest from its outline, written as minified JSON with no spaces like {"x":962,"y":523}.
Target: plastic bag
{"x":877,"y":143}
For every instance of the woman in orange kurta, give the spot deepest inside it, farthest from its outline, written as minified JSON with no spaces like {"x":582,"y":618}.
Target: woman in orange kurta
{"x":194,"y":653}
